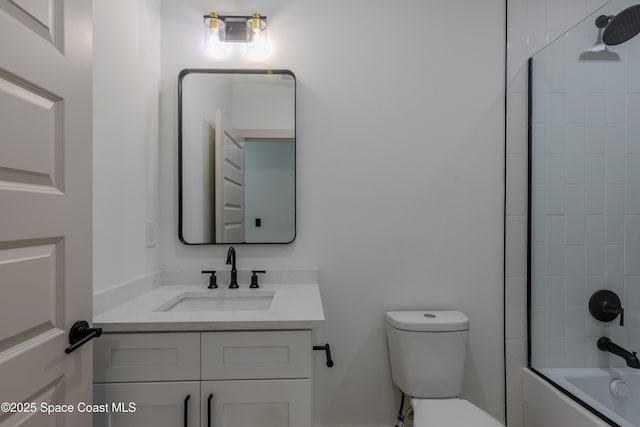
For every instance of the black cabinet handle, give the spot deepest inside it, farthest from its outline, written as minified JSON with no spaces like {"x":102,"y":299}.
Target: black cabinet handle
{"x":186,"y":410}
{"x":327,"y":350}
{"x":209,"y":410}
{"x":80,"y":334}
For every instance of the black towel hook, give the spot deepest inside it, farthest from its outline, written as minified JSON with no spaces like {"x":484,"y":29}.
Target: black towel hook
{"x":327,"y":350}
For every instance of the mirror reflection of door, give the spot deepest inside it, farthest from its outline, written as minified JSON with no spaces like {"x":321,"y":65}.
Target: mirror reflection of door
{"x":237,"y":150}
{"x":209,"y":181}
{"x":229,"y":182}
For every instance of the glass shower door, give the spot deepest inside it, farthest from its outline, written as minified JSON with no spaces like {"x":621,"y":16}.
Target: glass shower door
{"x":584,"y":214}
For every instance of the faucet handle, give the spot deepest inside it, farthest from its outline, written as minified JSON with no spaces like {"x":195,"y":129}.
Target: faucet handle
{"x":254,"y":278}
{"x":213,"y":282}
{"x":614,"y":307}
{"x":605,"y":306}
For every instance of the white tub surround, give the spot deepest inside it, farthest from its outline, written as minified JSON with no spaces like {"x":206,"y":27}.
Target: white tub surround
{"x":547,"y":406}
{"x":293,"y":303}
{"x":594,"y":386}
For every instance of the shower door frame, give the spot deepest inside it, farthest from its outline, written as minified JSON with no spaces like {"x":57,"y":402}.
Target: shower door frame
{"x":529,"y":222}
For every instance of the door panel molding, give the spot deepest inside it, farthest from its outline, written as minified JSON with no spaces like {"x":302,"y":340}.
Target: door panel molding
{"x":44,"y":19}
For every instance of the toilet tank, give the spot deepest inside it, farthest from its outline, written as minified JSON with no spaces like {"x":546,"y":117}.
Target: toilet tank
{"x":427,"y":350}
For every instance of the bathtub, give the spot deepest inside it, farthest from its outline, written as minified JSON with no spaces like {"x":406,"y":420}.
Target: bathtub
{"x":591,"y":386}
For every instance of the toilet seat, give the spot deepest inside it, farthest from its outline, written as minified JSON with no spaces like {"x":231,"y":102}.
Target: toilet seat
{"x":450,"y":412}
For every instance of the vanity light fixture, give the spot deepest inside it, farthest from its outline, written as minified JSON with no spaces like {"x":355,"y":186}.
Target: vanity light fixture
{"x":257,"y":46}
{"x":220,"y":30}
{"x":214,"y":34}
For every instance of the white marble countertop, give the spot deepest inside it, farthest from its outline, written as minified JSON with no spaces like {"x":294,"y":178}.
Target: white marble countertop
{"x":294,"y":306}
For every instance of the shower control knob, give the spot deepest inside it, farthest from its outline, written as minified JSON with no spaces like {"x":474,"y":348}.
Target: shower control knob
{"x":605,"y":306}
{"x":619,"y":388}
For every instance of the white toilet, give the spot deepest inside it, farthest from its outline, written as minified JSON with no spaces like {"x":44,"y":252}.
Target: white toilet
{"x":427,"y":351}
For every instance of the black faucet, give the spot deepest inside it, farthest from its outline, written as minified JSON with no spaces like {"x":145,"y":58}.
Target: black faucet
{"x":605,"y":344}
{"x":231,"y":259}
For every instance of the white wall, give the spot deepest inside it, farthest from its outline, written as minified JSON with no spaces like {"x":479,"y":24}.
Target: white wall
{"x":400,"y":177}
{"x":126,"y":40}
{"x":266,"y":105}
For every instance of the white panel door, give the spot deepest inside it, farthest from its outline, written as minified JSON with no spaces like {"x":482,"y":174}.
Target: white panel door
{"x":45,"y":205}
{"x":266,"y":403}
{"x":229,"y":181}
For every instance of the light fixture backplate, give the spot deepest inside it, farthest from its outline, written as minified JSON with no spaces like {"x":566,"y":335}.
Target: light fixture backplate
{"x":236,"y":28}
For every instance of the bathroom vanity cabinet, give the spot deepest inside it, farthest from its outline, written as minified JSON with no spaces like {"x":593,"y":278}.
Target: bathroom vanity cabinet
{"x":219,"y":379}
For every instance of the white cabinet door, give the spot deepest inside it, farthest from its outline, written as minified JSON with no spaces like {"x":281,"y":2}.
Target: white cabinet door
{"x":160,"y":404}
{"x":267,"y":403}
{"x":147,"y":357}
{"x":237,"y":355}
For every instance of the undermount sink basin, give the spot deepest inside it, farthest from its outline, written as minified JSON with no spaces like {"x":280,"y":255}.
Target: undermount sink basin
{"x":224,"y":300}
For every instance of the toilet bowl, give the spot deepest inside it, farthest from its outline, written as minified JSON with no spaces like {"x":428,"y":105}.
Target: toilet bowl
{"x":427,"y":350}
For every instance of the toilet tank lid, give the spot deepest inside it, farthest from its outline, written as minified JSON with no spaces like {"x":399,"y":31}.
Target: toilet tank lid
{"x":428,"y":320}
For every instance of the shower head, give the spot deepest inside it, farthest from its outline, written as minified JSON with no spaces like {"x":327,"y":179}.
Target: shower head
{"x":621,"y":27}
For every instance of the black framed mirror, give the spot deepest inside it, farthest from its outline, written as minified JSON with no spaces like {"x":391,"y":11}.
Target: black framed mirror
{"x":236,"y":156}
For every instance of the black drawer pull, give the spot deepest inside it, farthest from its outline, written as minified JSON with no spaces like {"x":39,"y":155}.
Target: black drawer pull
{"x":209,"y":410}
{"x":186,"y":410}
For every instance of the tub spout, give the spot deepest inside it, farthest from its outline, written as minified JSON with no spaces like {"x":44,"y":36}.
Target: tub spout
{"x":605,"y":344}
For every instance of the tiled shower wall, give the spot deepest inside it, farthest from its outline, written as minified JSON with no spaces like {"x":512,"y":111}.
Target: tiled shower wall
{"x":532,"y":24}
{"x":586,"y":195}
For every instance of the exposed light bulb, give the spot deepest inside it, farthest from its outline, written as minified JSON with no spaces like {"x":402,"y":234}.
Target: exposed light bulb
{"x":214,"y":46}
{"x":258,"y":47}
{"x":214,"y":27}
